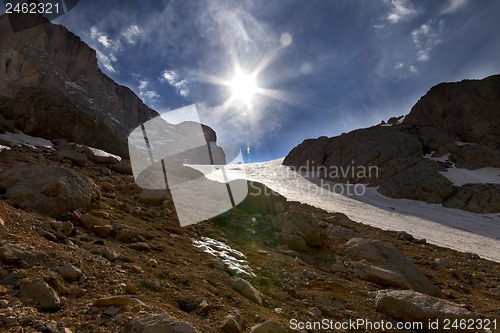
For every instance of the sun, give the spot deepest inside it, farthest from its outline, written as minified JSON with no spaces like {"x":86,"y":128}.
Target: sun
{"x":243,"y":87}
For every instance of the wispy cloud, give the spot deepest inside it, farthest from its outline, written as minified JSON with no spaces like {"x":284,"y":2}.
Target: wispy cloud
{"x":401,"y":10}
{"x":146,"y":94}
{"x":106,"y":60}
{"x":426,"y":37}
{"x":172,"y":78}
{"x":130,"y":34}
{"x":453,"y":6}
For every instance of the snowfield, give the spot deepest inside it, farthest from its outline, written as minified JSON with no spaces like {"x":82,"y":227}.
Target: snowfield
{"x":451,"y":228}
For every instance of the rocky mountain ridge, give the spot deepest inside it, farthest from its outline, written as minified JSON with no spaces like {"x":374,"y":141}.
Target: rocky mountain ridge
{"x":51,"y":86}
{"x":455,"y":125}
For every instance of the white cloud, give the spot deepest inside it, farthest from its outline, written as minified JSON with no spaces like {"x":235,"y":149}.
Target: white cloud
{"x":401,"y":10}
{"x":106,"y":61}
{"x":173,"y":79}
{"x":147,"y":95}
{"x":131,"y":33}
{"x":453,"y":6}
{"x":105,"y":48}
{"x":425,"y":38}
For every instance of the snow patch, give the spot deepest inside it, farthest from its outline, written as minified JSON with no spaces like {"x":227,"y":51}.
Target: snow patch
{"x":451,"y":228}
{"x":461,"y":144}
{"x":444,"y":158}
{"x":20,"y":139}
{"x":2,"y":148}
{"x":459,"y":176}
{"x":234,"y":260}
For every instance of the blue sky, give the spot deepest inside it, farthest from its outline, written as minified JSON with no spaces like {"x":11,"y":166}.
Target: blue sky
{"x":322,"y":67}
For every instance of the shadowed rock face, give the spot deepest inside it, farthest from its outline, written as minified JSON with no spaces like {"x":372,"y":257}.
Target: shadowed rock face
{"x":48,"y":64}
{"x":450,"y":113}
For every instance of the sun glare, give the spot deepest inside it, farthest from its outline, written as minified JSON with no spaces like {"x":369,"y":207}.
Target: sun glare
{"x":243,"y":87}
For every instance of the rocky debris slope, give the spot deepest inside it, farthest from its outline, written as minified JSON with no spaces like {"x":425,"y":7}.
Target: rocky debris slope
{"x":455,"y":125}
{"x":123,"y":264}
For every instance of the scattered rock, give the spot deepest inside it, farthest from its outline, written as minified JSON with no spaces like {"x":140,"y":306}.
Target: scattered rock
{"x":380,"y":276}
{"x":99,"y":156}
{"x":119,"y":301}
{"x":18,"y":254}
{"x":379,"y":254}
{"x":41,"y":293}
{"x":140,"y":246}
{"x":153,"y":197}
{"x":269,"y":327}
{"x":52,"y":191}
{"x":75,"y":157}
{"x":411,"y":306}
{"x":159,"y":323}
{"x":103,"y":231}
{"x":109,"y":254}
{"x":246,"y":289}
{"x":232,"y":324}
{"x":69,"y":273}
{"x":47,"y":235}
{"x":124,"y":167}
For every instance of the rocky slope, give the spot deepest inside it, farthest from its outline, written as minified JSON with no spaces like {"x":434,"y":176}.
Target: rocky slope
{"x":51,"y":86}
{"x":455,"y":125}
{"x":86,"y":250}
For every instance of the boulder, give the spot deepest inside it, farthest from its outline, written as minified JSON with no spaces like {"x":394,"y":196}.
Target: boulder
{"x":153,"y":197}
{"x":269,"y":327}
{"x":158,"y":323}
{"x":40,"y":293}
{"x":301,"y":224}
{"x":75,"y":157}
{"x":69,"y":273}
{"x":411,"y":306}
{"x":12,"y":254}
{"x":99,"y":156}
{"x":246,"y":289}
{"x":52,"y":191}
{"x":389,"y":259}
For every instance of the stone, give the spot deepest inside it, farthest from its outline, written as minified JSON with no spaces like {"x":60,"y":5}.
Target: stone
{"x":118,"y":301}
{"x":124,"y":167}
{"x":247,"y":290}
{"x":69,"y":273}
{"x":130,"y":289}
{"x":153,"y":197}
{"x":380,"y":276}
{"x":103,"y":231}
{"x":46,"y":234}
{"x":65,"y":330}
{"x":412,"y":306}
{"x":125,"y":234}
{"x":301,"y":224}
{"x":107,"y":186}
{"x":99,"y":156}
{"x":388,"y":258}
{"x":90,"y":221}
{"x":109,"y":254}
{"x":140,"y":246}
{"x":75,"y":157}
{"x":269,"y":327}
{"x":48,"y":190}
{"x":40,"y":293}
{"x":157,"y":323}
{"x":18,"y":254}
{"x":232,"y":324}
{"x":293,"y":242}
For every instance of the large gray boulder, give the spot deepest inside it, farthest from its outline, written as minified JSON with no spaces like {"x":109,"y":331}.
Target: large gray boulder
{"x":378,"y":254}
{"x":51,"y":191}
{"x":411,"y":306}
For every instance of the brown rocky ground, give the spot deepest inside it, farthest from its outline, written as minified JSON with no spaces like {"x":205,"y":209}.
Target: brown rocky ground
{"x":307,"y":273}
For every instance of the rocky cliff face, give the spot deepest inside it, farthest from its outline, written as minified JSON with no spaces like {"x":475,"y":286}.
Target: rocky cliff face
{"x":49,"y":76}
{"x":455,"y":125}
